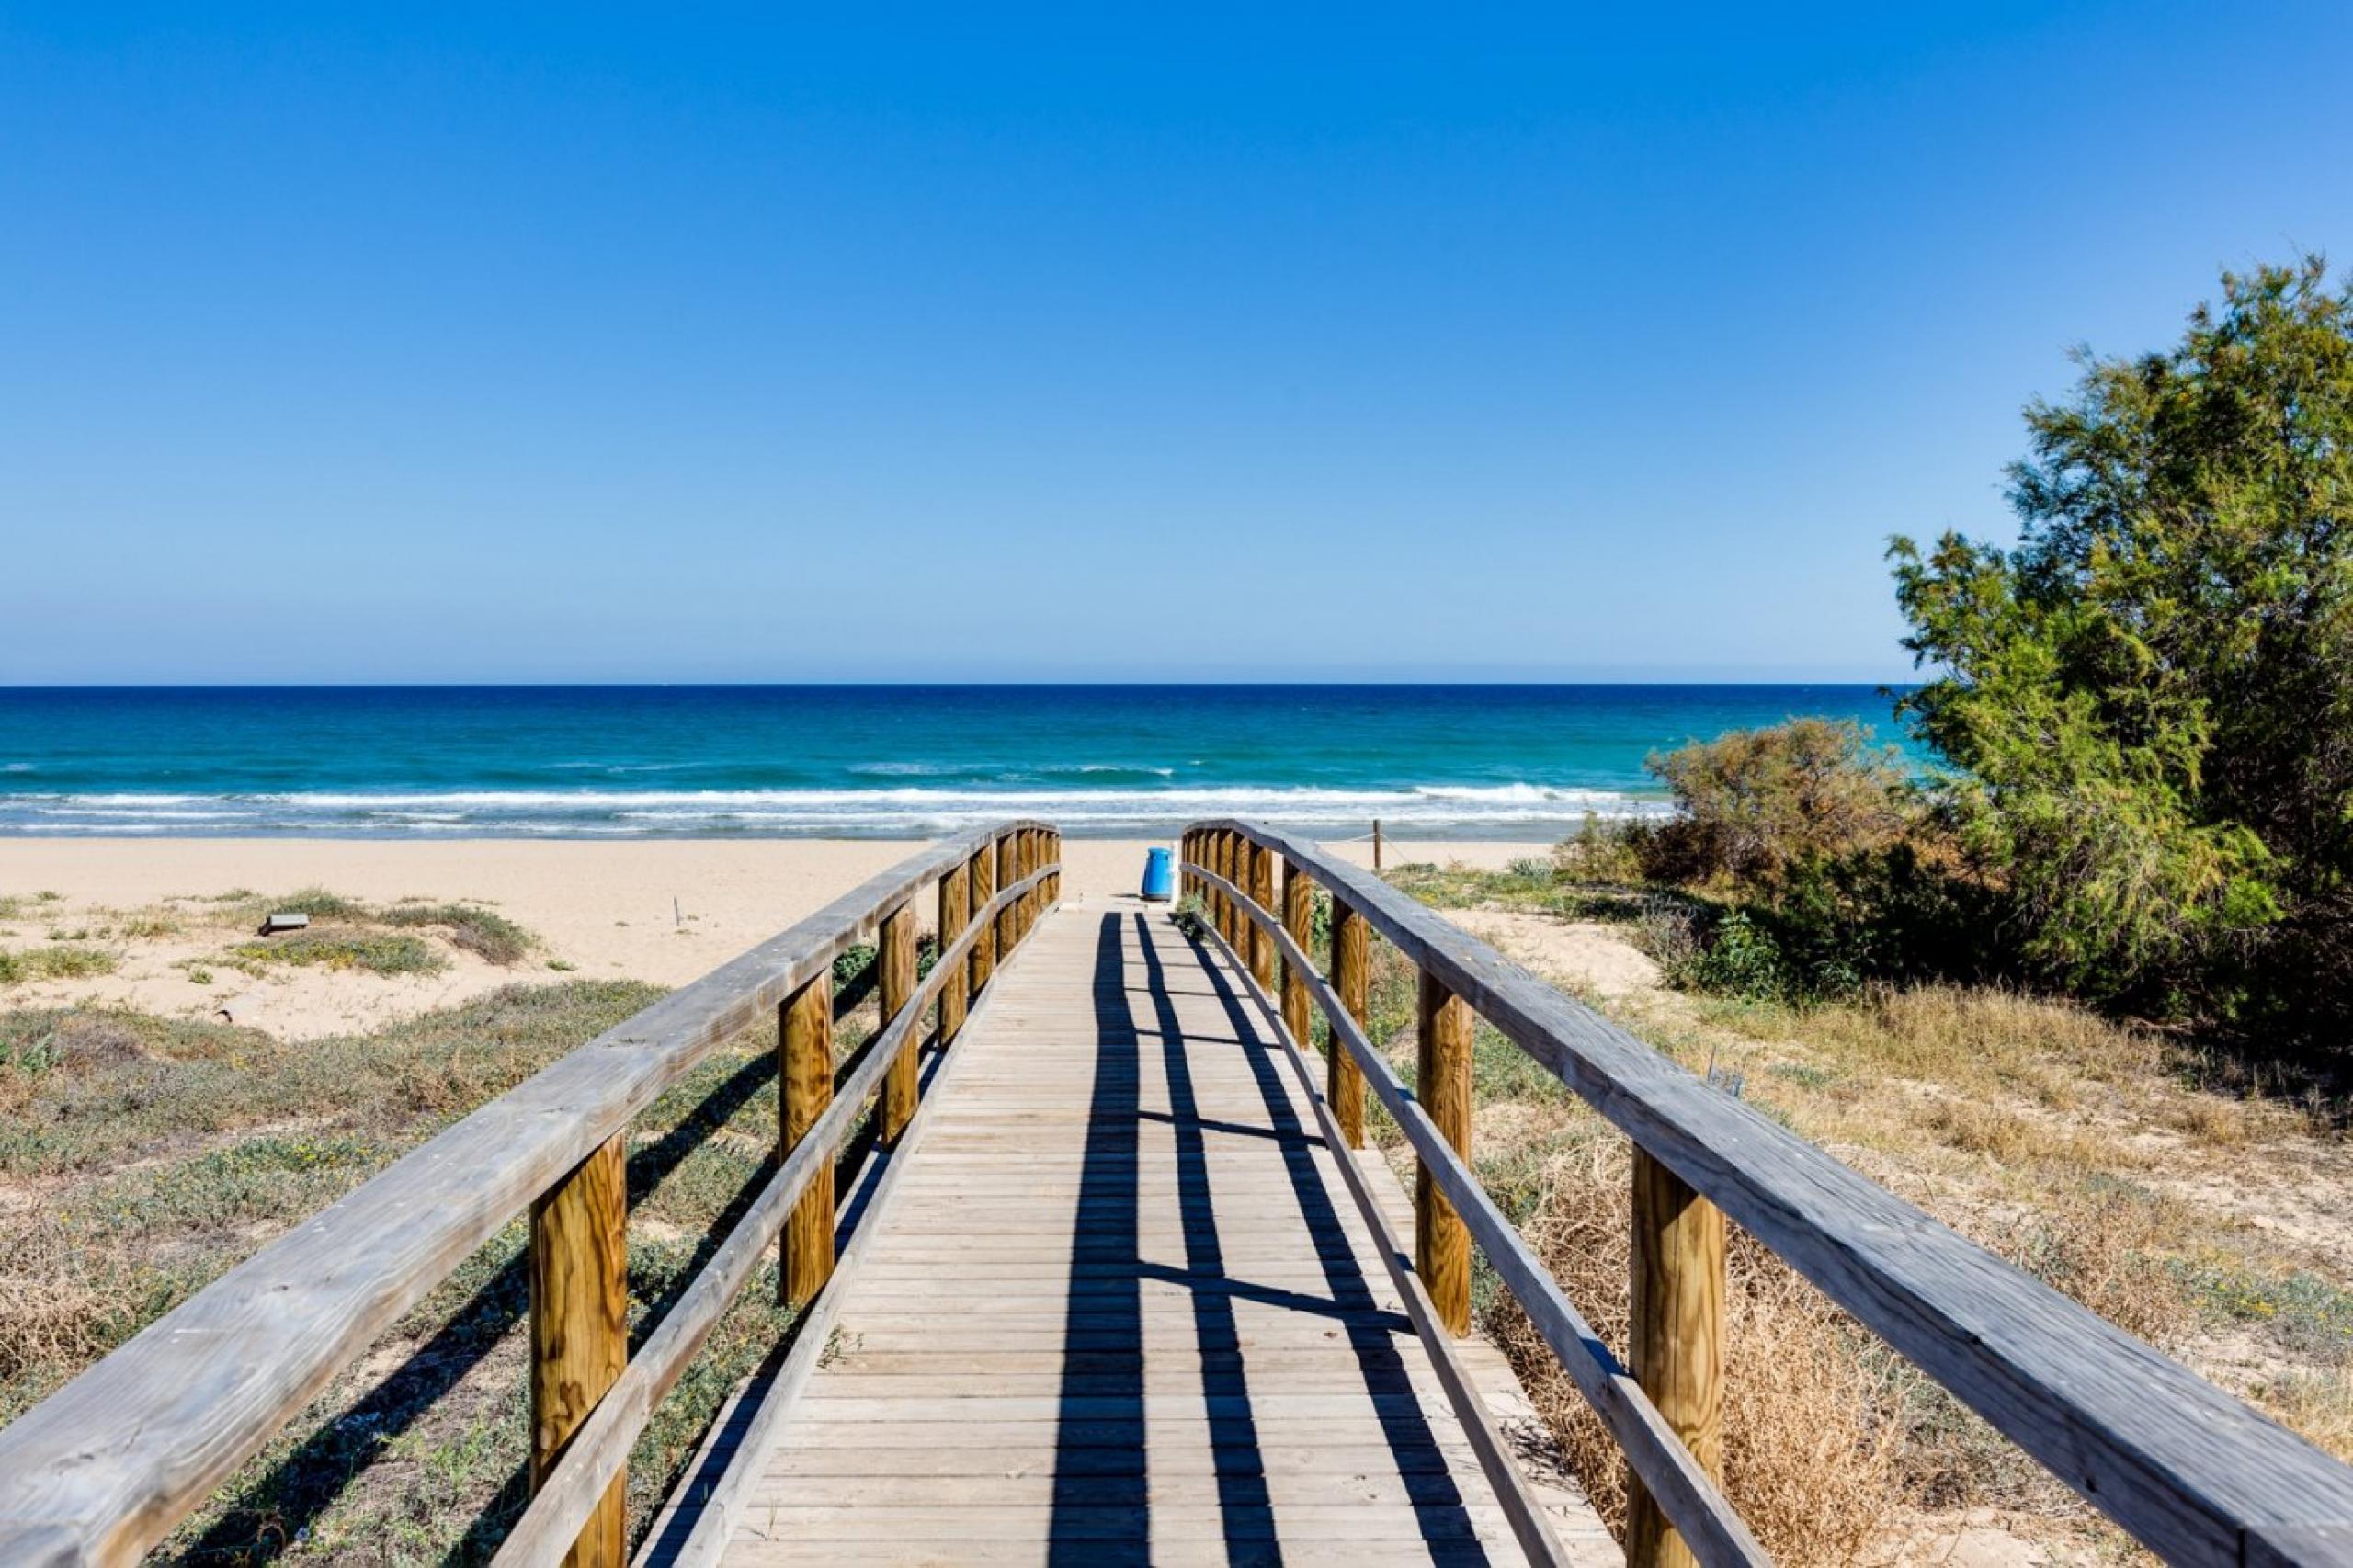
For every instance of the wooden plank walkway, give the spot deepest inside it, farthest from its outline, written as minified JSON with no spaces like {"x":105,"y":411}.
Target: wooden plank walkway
{"x":1120,"y":1308}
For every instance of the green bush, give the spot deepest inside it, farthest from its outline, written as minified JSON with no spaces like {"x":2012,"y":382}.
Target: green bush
{"x":2147,"y":697}
{"x":1191,"y":915}
{"x":1751,"y":804}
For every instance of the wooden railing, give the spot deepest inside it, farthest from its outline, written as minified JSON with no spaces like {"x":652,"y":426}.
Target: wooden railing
{"x":2191,"y":1472}
{"x":106,"y":1468}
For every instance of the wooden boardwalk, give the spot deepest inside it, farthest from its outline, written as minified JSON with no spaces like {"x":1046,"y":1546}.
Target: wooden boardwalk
{"x":1120,"y":1308}
{"x":1111,"y":1298}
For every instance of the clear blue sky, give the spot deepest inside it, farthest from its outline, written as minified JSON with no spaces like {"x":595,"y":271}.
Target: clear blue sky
{"x":498,"y":342}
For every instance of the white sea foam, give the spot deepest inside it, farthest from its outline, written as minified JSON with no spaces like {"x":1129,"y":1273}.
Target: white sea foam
{"x":1435,"y":810}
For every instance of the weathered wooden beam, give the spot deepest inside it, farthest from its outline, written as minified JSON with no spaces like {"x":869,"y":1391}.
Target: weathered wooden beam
{"x":2191,"y":1471}
{"x":1653,"y":1451}
{"x":1677,"y":1345}
{"x":600,"y":1448}
{"x":983,"y":963}
{"x":579,"y":1270}
{"x":895,"y":960}
{"x":1298,"y":920}
{"x":1442,"y":1083}
{"x":955,"y":914}
{"x":1009,"y":872}
{"x":1351,"y":977}
{"x":104,"y":1468}
{"x":804,"y":1088}
{"x":1262,"y":893}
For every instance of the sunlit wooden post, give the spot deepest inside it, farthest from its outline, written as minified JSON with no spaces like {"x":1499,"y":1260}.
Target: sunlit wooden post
{"x":1442,"y":1083}
{"x":1677,"y":1340}
{"x":955,"y":913}
{"x":804,"y":1088}
{"x":1298,"y":923}
{"x":1261,"y":883}
{"x":982,"y":868}
{"x":579,"y":1270}
{"x":1029,"y":859}
{"x":1008,"y":871}
{"x":1229,"y":858}
{"x":895,"y":959}
{"x":1351,"y":961}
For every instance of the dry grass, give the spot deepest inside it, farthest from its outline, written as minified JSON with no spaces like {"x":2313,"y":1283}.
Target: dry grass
{"x":1807,"y":1463}
{"x":2189,"y":1200}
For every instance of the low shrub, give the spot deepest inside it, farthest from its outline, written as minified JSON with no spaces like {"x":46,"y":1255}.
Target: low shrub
{"x":469,"y":927}
{"x":1753,"y":803}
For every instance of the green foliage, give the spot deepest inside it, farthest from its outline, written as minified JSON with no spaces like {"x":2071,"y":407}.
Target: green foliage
{"x":1738,"y":960}
{"x":1191,"y":917}
{"x":1755,"y":802}
{"x":2149,"y":696}
{"x":851,"y":966}
{"x":376,"y":953}
{"x":63,"y":962}
{"x":471,"y":928}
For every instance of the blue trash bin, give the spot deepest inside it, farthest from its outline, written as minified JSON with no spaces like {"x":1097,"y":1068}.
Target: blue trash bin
{"x":1156,"y":874}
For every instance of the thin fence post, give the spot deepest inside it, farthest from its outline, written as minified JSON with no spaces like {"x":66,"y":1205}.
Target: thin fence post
{"x":955,"y":914}
{"x":579,"y":1270}
{"x":805,"y":1087}
{"x":1351,"y":963}
{"x":1376,"y":845}
{"x":982,"y":868}
{"x":1298,"y":923}
{"x":1677,"y":1343}
{"x":1261,"y":883}
{"x":1442,"y":1083}
{"x":895,"y":954}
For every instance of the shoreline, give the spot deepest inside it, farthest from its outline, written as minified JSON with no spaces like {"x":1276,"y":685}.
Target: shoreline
{"x":661,"y":910}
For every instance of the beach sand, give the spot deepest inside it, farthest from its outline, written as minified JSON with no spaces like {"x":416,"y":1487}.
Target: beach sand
{"x":659,"y":910}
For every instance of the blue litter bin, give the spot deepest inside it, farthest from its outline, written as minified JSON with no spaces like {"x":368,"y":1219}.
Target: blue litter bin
{"x":1156,"y":874}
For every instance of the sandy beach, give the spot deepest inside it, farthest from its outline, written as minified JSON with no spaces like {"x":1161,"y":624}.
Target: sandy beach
{"x":658,"y":910}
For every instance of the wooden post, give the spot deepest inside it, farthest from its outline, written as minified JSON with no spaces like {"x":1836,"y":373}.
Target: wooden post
{"x":804,"y":1088}
{"x":1008,"y":871}
{"x":1298,"y":923}
{"x":580,"y":1327}
{"x":1025,"y":856}
{"x":1677,"y":1340}
{"x":896,"y":956}
{"x":955,"y":913}
{"x":1055,"y":858}
{"x":1261,"y":883}
{"x":1228,"y":866}
{"x":1376,"y":845}
{"x":983,"y":866}
{"x":1442,"y":1083}
{"x":1351,"y":965}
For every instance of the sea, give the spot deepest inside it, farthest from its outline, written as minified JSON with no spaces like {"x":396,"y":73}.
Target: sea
{"x":1462,"y":762}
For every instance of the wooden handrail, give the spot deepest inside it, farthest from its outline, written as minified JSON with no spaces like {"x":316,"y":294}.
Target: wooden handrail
{"x":2193,"y":1474}
{"x":104,"y":1468}
{"x":567,"y":1496}
{"x":1650,"y":1446}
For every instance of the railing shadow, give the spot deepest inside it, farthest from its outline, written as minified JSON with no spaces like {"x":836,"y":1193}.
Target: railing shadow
{"x":1438,"y":1503}
{"x":1101,"y":1503}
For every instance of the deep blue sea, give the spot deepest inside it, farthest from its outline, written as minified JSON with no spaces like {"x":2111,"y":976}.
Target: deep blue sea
{"x":1435,"y":761}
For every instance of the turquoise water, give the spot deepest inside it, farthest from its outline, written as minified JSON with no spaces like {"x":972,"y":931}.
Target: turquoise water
{"x":1453,"y":761}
